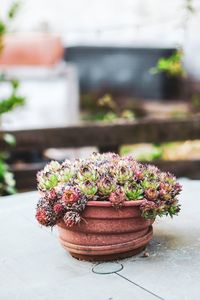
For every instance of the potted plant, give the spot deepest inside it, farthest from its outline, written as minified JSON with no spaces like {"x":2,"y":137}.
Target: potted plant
{"x":7,"y":104}
{"x":104,"y":206}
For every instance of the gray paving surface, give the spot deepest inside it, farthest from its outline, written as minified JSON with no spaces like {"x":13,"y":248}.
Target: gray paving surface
{"x":34,"y":266}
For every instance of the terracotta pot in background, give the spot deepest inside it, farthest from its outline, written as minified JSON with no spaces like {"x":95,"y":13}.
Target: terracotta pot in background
{"x":107,"y":233}
{"x":31,"y":49}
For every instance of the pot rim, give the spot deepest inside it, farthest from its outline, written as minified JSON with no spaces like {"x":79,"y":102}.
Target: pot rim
{"x":109,"y":204}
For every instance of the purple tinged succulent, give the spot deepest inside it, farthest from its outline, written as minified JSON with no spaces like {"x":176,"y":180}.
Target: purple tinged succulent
{"x":149,"y":209}
{"x":106,"y":185}
{"x":147,"y":184}
{"x":177,"y":189}
{"x":87,"y":171}
{"x":58,"y":208}
{"x":70,"y":195}
{"x":138,"y":175}
{"x":133,"y":191}
{"x":88,"y":188}
{"x":165,"y":194}
{"x":168,"y":178}
{"x":151,"y":194}
{"x":72,"y":218}
{"x":151,"y":173}
{"x":67,"y":172}
{"x":66,"y":188}
{"x":103,"y":169}
{"x":169,"y":191}
{"x":52,"y":167}
{"x":166,"y":187}
{"x":78,"y":206}
{"x":48,"y":177}
{"x":46,"y":181}
{"x":123,"y":172}
{"x":51,"y":195}
{"x":117,"y":198}
{"x":45,"y":214}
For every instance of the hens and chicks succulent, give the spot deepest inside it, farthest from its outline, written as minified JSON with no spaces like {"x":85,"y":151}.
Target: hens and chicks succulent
{"x":66,"y":188}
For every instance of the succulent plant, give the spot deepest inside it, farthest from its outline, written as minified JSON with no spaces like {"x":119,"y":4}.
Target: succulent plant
{"x":67,"y":172}
{"x":106,"y":185}
{"x":149,"y":184}
{"x":117,"y":198}
{"x":45,"y":214}
{"x":87,"y":171}
{"x":51,"y":195}
{"x":151,"y":194}
{"x":67,"y":188}
{"x":71,"y":218}
{"x":58,"y":209}
{"x":123,"y":172}
{"x":70,"y":195}
{"x":133,"y":191}
{"x":150,"y":209}
{"x":80,"y":205}
{"x":89,"y":188}
{"x":48,"y":178}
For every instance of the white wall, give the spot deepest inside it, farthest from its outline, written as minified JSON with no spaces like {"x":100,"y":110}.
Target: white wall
{"x":132,"y":22}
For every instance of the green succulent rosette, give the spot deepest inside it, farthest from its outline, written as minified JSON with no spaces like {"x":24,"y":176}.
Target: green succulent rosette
{"x":86,"y":172}
{"x":88,"y":188}
{"x":67,"y":172}
{"x":106,"y":185}
{"x":133,"y":191}
{"x":123,"y":172}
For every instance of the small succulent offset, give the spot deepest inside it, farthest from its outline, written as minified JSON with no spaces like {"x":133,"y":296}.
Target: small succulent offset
{"x":66,"y":188}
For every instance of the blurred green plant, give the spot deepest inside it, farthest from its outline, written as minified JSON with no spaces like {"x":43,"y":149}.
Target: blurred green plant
{"x":7,"y":182}
{"x":196,"y":102}
{"x":172,"y":65}
{"x":112,"y":110}
{"x":151,"y":153}
{"x":12,"y":101}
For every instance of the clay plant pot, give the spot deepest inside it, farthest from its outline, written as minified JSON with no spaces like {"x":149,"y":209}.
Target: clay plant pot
{"x":107,"y":233}
{"x":32,"y":49}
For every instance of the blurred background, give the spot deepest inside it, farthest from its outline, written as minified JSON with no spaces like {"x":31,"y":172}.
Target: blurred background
{"x":69,"y":66}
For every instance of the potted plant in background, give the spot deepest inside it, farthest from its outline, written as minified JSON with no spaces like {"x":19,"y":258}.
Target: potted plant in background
{"x":104,"y":206}
{"x":7,"y":104}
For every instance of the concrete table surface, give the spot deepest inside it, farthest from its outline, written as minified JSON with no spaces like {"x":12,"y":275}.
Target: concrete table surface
{"x":33,"y":266}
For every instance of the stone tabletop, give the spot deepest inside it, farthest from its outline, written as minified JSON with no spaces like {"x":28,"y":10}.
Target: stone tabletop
{"x":33,"y":266}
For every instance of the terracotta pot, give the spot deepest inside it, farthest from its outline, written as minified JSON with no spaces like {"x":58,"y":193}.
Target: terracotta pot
{"x":107,"y":233}
{"x":32,"y":49}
